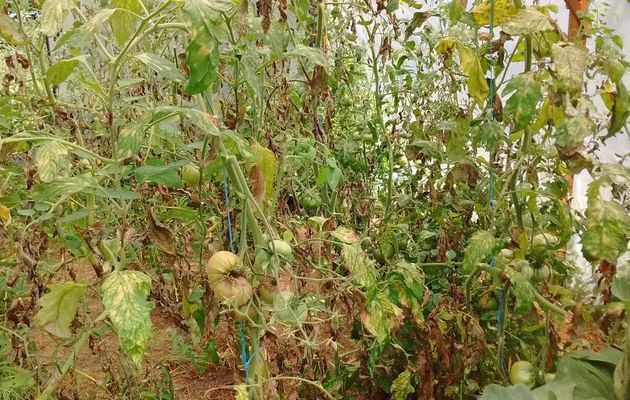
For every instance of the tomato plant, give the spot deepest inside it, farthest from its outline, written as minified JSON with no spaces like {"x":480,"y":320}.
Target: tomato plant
{"x":325,"y":199}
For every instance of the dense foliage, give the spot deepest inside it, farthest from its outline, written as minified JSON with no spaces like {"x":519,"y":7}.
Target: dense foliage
{"x":338,"y":195}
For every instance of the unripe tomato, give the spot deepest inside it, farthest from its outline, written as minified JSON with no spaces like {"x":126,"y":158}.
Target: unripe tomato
{"x":310,"y":202}
{"x":541,"y":274}
{"x":542,"y":243}
{"x":282,"y":248}
{"x":523,"y":372}
{"x":225,"y":286}
{"x":190,"y":174}
{"x":387,"y":249}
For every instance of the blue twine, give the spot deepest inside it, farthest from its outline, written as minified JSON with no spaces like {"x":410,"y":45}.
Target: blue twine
{"x":244,"y":359}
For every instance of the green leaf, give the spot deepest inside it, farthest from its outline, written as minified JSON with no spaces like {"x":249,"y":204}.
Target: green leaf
{"x":55,"y":189}
{"x":471,"y":67}
{"x":401,"y":386}
{"x":200,"y":119}
{"x":161,"y":66}
{"x":362,"y":269}
{"x":503,"y":10}
{"x":524,"y":91}
{"x":10,"y":32}
{"x":61,"y":70}
{"x":53,"y":15}
{"x":266,"y":160}
{"x":620,"y":110}
{"x":522,"y":290}
{"x":130,"y":140}
{"x":312,"y":54}
{"x":124,"y":298}
{"x":607,"y":230}
{"x":621,"y":284}
{"x":526,"y":21}
{"x":203,"y":60}
{"x":571,"y":63}
{"x":59,"y":307}
{"x":167,"y":175}
{"x":124,"y":19}
{"x":479,"y":246}
{"x":515,"y":392}
{"x":381,"y":316}
{"x":593,"y":380}
{"x":50,"y":159}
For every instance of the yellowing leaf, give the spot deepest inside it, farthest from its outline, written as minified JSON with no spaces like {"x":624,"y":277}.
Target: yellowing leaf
{"x":5,"y":214}
{"x":53,"y":15}
{"x":9,"y":31}
{"x":525,"y":21}
{"x":503,"y":10}
{"x":571,"y":63}
{"x":401,"y":386}
{"x":49,"y":159}
{"x":124,"y":19}
{"x":266,"y":160}
{"x":241,"y":392}
{"x":61,"y":70}
{"x":445,"y":47}
{"x":58,"y":308}
{"x":607,"y":229}
{"x":257,"y":183}
{"x":361,"y":268}
{"x":124,"y":298}
{"x":471,"y":67}
{"x":381,"y":316}
{"x":479,"y":246}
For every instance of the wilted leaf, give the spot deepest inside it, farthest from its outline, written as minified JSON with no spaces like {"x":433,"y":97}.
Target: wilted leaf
{"x":607,"y":230}
{"x":160,"y":234}
{"x":417,"y":20}
{"x":10,"y":32}
{"x":161,"y":66}
{"x":123,"y":22}
{"x":401,"y":386}
{"x":61,"y":70}
{"x":241,"y":392}
{"x":124,"y":298}
{"x":524,"y":92}
{"x":361,"y":268}
{"x":59,"y":307}
{"x":479,"y":246}
{"x":257,"y":183}
{"x":5,"y":214}
{"x":202,"y":59}
{"x":503,"y":10}
{"x":471,"y":67}
{"x":620,"y":110}
{"x":571,"y":63}
{"x":50,"y":158}
{"x":53,"y":15}
{"x":345,"y":235}
{"x":525,"y":21}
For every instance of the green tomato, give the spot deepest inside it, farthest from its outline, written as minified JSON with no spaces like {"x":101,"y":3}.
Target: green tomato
{"x":261,"y":261}
{"x":541,"y":244}
{"x":387,"y":249}
{"x":528,"y":272}
{"x":310,"y":202}
{"x":282,"y":248}
{"x":523,"y":372}
{"x":541,"y":274}
{"x":190,"y":174}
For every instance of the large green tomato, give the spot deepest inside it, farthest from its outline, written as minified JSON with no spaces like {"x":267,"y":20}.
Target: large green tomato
{"x":190,"y":174}
{"x":523,"y":372}
{"x":225,"y":286}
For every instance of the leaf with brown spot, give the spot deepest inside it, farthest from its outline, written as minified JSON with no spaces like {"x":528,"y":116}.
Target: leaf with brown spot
{"x":160,"y":234}
{"x":257,"y":183}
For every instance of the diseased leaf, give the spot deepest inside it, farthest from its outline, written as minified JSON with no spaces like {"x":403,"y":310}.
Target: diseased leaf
{"x":471,"y":67}
{"x":161,"y":66}
{"x":362,"y":269}
{"x":572,"y":131}
{"x":241,"y":392}
{"x":61,"y":70}
{"x":160,"y":234}
{"x":607,"y":230}
{"x":266,"y":160}
{"x":125,"y":299}
{"x":10,"y":32}
{"x":620,"y":110}
{"x":503,"y":10}
{"x":419,"y":17}
{"x":53,"y":15}
{"x":59,"y":307}
{"x":524,"y":91}
{"x":257,"y":183}
{"x":50,"y":159}
{"x":202,"y":57}
{"x":345,"y":235}
{"x":130,"y":140}
{"x":479,"y":247}
{"x":5,"y":214}
{"x":571,"y":62}
{"x":401,"y":386}
{"x":124,"y":22}
{"x":381,"y":316}
{"x":525,"y":21}
{"x":522,"y":289}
